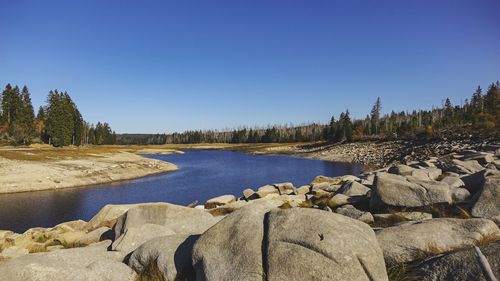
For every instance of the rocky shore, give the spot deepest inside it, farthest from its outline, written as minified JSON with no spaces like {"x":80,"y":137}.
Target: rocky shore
{"x":25,"y":175}
{"x":379,"y":154}
{"x":433,"y":219}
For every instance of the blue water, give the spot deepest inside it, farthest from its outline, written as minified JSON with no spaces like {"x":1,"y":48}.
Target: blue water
{"x":203,"y":174}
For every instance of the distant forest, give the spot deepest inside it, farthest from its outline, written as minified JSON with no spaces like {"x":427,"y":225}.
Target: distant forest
{"x":58,"y":123}
{"x":477,"y":117}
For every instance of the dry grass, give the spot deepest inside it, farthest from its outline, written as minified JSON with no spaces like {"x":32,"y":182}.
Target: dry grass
{"x":306,"y":204}
{"x":489,"y":238}
{"x":434,"y":249}
{"x":150,"y":273}
{"x":285,"y":205}
{"x":38,"y":249}
{"x":47,"y":153}
{"x":401,"y":272}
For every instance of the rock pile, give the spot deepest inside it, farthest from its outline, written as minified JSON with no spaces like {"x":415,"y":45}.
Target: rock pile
{"x":424,"y":216}
{"x":380,"y":154}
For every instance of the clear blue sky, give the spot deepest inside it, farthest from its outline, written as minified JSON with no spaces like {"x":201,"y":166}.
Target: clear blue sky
{"x":163,"y":66}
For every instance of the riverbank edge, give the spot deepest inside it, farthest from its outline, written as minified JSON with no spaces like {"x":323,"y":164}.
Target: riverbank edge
{"x":137,"y":167}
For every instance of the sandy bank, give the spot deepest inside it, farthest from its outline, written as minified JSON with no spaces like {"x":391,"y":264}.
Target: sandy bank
{"x":24,"y":175}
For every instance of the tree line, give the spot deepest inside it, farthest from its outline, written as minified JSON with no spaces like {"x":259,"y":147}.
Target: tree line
{"x":58,"y":123}
{"x":479,"y":116}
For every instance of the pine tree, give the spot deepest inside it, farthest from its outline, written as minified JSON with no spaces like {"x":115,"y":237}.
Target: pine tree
{"x":448,"y":112}
{"x":40,"y":124}
{"x":375,"y":116}
{"x":492,"y":99}
{"x":332,"y":130}
{"x":477,"y":103}
{"x":26,"y":117}
{"x":7,"y":109}
{"x":347,"y":125}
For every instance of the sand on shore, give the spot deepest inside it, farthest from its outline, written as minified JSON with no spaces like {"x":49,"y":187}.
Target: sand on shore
{"x":90,"y":169}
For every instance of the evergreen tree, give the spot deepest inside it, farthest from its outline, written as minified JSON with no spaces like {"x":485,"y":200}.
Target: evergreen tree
{"x":477,"y":101}
{"x":448,"y":112}
{"x":26,"y":117}
{"x":7,"y":106}
{"x":375,"y":116}
{"x":347,"y":125}
{"x":332,"y":130}
{"x":492,"y":99}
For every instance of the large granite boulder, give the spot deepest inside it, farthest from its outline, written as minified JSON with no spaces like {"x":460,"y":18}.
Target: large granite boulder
{"x":462,"y":265}
{"x":412,"y":241}
{"x":231,"y":249}
{"x":163,"y":218}
{"x":352,"y":188}
{"x":78,"y":264}
{"x":170,"y":254}
{"x":291,"y":244}
{"x":135,"y":236}
{"x":488,"y":198}
{"x":219,"y":201}
{"x":396,"y":190}
{"x":108,"y":215}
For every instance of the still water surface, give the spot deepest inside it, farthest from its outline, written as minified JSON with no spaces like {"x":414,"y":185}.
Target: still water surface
{"x":203,"y":174}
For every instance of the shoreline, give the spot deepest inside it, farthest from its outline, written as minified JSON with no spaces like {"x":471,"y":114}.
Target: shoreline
{"x":42,"y":168}
{"x":86,"y":171}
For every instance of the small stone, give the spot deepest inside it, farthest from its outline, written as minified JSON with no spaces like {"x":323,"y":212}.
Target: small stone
{"x":219,"y":201}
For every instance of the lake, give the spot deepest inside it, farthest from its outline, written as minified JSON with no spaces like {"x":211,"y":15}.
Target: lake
{"x":203,"y":174}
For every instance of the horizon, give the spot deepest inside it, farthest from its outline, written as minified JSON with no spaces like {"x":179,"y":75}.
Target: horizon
{"x":175,"y":67}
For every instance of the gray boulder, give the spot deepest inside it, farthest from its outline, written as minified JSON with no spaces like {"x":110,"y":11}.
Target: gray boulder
{"x":134,"y":237}
{"x":302,"y":190}
{"x":409,"y":242}
{"x":352,"y":212}
{"x":295,"y":236}
{"x":232,"y":249}
{"x":481,"y":157}
{"x":249,"y":194}
{"x":466,"y":167}
{"x":265,"y":190}
{"x":107,"y":216}
{"x":352,"y":188}
{"x":460,"y":195}
{"x":402,"y":170}
{"x":395,"y":190}
{"x":219,"y":201}
{"x":13,"y":252}
{"x":488,"y":198}
{"x":453,"y":181}
{"x":93,"y":236}
{"x":146,"y":221}
{"x":170,"y":254}
{"x":278,"y":242}
{"x":78,"y":264}
{"x":461,"y":265}
{"x":430,"y":173}
{"x":181,"y":220}
{"x":284,"y":187}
